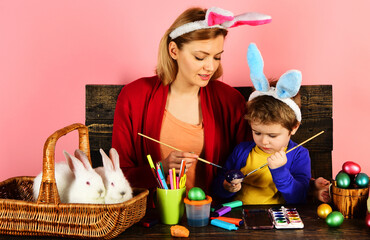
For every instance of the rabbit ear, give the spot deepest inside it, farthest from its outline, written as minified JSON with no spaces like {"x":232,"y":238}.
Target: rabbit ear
{"x":114,"y":157}
{"x":79,"y":154}
{"x":255,"y":63}
{"x":74,"y":163}
{"x":69,"y":159}
{"x":107,"y":162}
{"x":289,"y":84}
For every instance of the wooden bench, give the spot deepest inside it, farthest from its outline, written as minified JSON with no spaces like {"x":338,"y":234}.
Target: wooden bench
{"x":316,"y":116}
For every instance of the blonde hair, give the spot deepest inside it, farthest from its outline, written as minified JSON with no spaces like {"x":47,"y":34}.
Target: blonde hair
{"x":167,"y":67}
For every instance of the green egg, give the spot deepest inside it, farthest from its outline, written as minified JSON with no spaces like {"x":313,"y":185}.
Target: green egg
{"x":334,"y":219}
{"x":343,"y":180}
{"x":196,"y":194}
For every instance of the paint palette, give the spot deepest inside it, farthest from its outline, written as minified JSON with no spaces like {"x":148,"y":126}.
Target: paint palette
{"x":286,"y":218}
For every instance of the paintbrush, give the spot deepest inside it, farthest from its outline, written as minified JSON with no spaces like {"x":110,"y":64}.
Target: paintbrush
{"x":287,"y":152}
{"x":200,"y":159}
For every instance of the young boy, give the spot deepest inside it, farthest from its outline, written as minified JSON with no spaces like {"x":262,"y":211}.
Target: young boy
{"x":274,"y":116}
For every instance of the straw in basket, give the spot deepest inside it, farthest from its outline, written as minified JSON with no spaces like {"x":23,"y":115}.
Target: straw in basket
{"x":21,"y":215}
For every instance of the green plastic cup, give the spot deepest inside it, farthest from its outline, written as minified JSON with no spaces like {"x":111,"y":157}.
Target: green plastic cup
{"x":170,"y":205}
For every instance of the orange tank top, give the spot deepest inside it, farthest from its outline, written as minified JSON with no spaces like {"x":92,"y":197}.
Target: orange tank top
{"x":188,"y":138}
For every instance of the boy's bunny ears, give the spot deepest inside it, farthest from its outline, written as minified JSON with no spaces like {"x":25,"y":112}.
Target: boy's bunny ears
{"x":287,"y":86}
{"x":220,"y":18}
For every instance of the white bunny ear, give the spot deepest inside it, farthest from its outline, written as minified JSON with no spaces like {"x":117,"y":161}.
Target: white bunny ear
{"x":79,"y":154}
{"x":107,"y":162}
{"x":68,"y":159}
{"x":255,"y":63}
{"x":74,"y":163}
{"x":115,"y":158}
{"x":289,"y":84}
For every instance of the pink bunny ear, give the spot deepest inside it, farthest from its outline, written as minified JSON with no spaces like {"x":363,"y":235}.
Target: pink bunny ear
{"x":220,"y":18}
{"x":215,"y":16}
{"x":251,"y":18}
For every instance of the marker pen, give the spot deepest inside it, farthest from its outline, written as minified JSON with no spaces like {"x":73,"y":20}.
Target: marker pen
{"x":224,"y":225}
{"x":237,"y":221}
{"x":162,"y":179}
{"x":220,"y":212}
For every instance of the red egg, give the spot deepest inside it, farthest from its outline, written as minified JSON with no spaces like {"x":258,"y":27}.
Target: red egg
{"x":368,"y":219}
{"x":351,"y":168}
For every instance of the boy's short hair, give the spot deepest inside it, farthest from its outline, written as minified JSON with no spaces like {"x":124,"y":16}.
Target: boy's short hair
{"x":269,"y":110}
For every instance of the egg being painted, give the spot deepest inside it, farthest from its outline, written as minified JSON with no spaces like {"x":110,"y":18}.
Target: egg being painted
{"x":196,"y":194}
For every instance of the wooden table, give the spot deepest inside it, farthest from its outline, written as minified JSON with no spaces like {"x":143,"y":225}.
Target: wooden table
{"x":314,"y":228}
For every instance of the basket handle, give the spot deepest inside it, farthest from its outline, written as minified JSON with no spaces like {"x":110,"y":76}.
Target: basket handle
{"x":48,"y":190}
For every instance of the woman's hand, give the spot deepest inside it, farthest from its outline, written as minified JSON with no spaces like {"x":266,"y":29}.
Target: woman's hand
{"x":234,"y":186}
{"x":321,"y":190}
{"x":174,"y":159}
{"x":277,"y":159}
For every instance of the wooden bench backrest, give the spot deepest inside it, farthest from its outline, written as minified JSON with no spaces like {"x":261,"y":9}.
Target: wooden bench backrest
{"x":316,"y":116}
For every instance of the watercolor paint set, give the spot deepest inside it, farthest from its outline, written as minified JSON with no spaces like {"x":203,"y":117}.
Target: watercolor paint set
{"x":286,"y":218}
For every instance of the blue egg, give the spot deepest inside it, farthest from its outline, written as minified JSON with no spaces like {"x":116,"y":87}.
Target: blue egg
{"x":362,"y":180}
{"x":233,"y":174}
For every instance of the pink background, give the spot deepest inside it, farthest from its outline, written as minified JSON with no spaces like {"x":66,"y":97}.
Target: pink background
{"x":49,"y":51}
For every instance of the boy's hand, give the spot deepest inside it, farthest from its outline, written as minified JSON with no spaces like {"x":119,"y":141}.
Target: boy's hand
{"x":234,"y":186}
{"x":277,"y":159}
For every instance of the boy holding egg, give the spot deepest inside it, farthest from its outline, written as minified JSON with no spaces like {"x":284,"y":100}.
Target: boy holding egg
{"x":274,"y":116}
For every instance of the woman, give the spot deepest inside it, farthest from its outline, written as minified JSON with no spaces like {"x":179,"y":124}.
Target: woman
{"x":183,"y":105}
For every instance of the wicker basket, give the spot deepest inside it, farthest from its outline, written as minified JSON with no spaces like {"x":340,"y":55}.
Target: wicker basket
{"x":21,"y":215}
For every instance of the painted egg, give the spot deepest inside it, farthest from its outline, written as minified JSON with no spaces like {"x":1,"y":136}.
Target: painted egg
{"x":196,"y":194}
{"x":351,"y":168}
{"x":323,"y":210}
{"x":362,"y":180}
{"x":343,"y":180}
{"x":368,"y":219}
{"x":334,"y":219}
{"x":233,"y":174}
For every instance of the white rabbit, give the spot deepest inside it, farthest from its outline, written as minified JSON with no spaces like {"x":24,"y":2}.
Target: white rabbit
{"x":117,"y":186}
{"x":88,"y":186}
{"x":63,"y":177}
{"x":76,"y":180}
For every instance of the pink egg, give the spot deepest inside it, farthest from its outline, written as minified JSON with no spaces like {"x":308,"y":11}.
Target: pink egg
{"x":351,"y":168}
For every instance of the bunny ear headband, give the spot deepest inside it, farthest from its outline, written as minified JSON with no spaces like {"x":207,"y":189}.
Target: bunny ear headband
{"x":220,"y":18}
{"x":287,"y":86}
